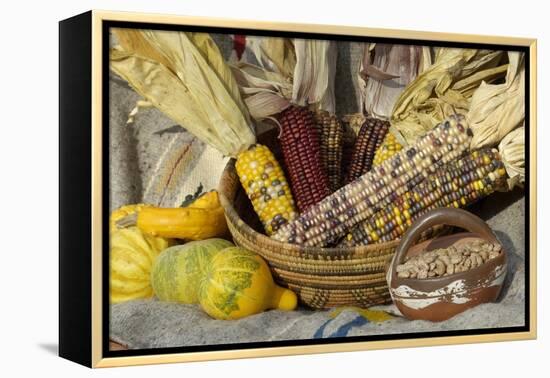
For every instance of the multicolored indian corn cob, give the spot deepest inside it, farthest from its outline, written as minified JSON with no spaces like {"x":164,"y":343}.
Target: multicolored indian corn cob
{"x":336,"y":215}
{"x":389,"y":147}
{"x":370,"y":137}
{"x":331,"y":132}
{"x":265,"y":184}
{"x":301,"y":152}
{"x":457,"y":184}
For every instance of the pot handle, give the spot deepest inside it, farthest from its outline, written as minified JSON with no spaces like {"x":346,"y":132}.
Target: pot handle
{"x":443,"y":215}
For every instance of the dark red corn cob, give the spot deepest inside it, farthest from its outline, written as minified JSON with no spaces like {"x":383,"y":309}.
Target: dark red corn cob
{"x":331,"y":132}
{"x":301,"y":152}
{"x":368,"y":140}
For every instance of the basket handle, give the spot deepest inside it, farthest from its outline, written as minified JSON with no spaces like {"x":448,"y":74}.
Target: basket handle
{"x":443,"y":215}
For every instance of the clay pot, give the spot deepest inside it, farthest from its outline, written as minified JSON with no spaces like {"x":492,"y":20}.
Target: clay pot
{"x":440,"y":298}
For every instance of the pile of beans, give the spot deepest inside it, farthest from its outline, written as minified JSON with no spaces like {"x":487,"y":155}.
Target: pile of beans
{"x":445,"y":261}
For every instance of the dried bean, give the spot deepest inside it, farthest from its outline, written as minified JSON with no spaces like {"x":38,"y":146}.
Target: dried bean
{"x":484,"y":255}
{"x":445,"y":259}
{"x":455,"y":259}
{"x":401,"y":268}
{"x":479,"y":260}
{"x":422,"y":265}
{"x":440,"y":267}
{"x":429,"y":257}
{"x":450,"y":269}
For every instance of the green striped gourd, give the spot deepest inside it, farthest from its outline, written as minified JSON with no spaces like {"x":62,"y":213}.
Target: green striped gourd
{"x":177,"y":272}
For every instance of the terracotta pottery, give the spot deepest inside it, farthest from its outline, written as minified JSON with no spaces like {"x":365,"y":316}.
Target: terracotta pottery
{"x":440,"y":298}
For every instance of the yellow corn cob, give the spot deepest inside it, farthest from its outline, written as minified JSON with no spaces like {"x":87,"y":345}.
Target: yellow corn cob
{"x":389,"y":147}
{"x":265,"y":184}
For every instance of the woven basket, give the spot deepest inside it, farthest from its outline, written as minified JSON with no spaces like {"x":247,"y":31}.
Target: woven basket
{"x":322,"y":277}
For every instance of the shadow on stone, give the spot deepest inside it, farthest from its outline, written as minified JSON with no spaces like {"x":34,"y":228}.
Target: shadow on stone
{"x":513,"y":261}
{"x":492,"y":205}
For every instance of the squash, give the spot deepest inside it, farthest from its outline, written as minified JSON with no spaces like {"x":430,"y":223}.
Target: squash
{"x":122,"y":213}
{"x":238,"y":283}
{"x":132,"y":254}
{"x":202,"y":219}
{"x":177,"y":272}
{"x":208,"y":200}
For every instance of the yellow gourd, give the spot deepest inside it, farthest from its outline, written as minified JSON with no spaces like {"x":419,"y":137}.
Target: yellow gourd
{"x":202,"y":219}
{"x":238,"y":283}
{"x":208,"y":200}
{"x":123,"y":212}
{"x":132,"y":254}
{"x":177,"y":272}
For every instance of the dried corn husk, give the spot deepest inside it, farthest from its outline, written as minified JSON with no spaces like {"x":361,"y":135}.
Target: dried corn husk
{"x":385,"y":72}
{"x":185,"y":77}
{"x":443,"y":89}
{"x":496,"y":109}
{"x":274,"y":54}
{"x":354,"y":122}
{"x":271,"y":86}
{"x":265,"y":92}
{"x":313,"y":81}
{"x":512,"y":152}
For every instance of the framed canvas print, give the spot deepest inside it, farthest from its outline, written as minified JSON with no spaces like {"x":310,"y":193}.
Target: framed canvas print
{"x":235,"y":189}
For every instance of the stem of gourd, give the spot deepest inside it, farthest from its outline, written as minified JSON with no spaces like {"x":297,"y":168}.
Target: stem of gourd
{"x":127,"y":221}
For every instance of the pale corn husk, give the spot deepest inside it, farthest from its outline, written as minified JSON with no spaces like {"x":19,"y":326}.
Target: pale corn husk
{"x":385,"y":72}
{"x":512,"y":152}
{"x":443,"y":89}
{"x":265,"y":92}
{"x":496,"y":109}
{"x":185,"y":76}
{"x":314,"y":74}
{"x":354,"y":122}
{"x":300,"y":72}
{"x":427,"y":60}
{"x":274,"y":54}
